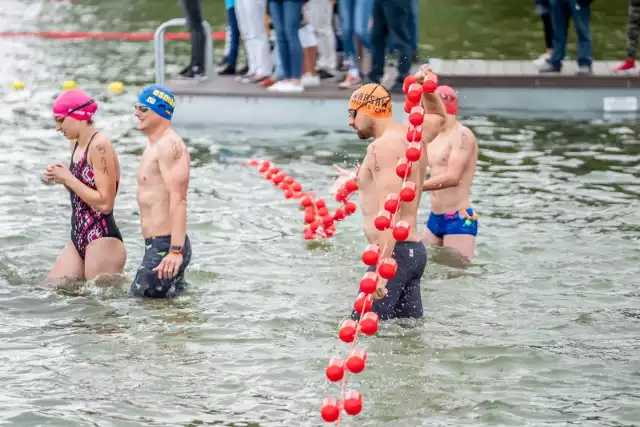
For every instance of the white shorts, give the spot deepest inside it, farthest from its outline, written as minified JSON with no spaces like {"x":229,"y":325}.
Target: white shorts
{"x":307,"y":36}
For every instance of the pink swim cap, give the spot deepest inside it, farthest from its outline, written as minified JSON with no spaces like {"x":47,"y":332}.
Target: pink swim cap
{"x":75,"y":104}
{"x":449,"y":99}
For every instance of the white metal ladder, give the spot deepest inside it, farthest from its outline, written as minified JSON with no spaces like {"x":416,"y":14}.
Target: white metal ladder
{"x":158,"y":41}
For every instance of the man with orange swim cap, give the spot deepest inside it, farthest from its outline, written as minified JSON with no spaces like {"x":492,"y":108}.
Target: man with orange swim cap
{"x":452,"y":158}
{"x":370,"y":115}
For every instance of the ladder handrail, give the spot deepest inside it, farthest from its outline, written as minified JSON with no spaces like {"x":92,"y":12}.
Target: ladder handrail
{"x":158,"y":41}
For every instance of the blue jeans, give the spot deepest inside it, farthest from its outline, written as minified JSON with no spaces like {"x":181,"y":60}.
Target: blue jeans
{"x":354,"y":20}
{"x":234,"y":40}
{"x":414,"y":26}
{"x":279,"y":73}
{"x":389,"y":20}
{"x":561,"y":11}
{"x":413,"y":29}
{"x":285,"y":18}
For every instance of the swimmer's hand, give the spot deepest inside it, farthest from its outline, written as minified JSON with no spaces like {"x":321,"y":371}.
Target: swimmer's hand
{"x":381,"y":289}
{"x":58,"y":173}
{"x":345,"y":175}
{"x":169,"y":266}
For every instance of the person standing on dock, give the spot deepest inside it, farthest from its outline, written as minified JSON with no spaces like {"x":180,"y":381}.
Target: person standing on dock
{"x":391,"y":17}
{"x":452,"y":158}
{"x":580,"y":12}
{"x":251,"y":15}
{"x":633,"y":32}
{"x":163,"y":182}
{"x":370,"y":116}
{"x":195,"y":69}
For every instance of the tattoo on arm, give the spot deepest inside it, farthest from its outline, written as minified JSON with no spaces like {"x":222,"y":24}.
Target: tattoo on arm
{"x":463,"y":142}
{"x":177,"y":153}
{"x":376,"y":166}
{"x":103,"y":161}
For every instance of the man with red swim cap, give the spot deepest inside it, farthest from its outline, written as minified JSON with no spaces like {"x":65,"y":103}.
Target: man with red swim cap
{"x":370,"y":116}
{"x":452,"y":158}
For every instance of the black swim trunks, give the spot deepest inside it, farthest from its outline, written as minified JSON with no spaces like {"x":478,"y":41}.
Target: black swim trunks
{"x":147,"y":284}
{"x":403,"y":299}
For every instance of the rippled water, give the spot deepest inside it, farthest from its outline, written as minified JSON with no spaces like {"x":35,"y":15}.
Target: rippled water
{"x":543,"y":330}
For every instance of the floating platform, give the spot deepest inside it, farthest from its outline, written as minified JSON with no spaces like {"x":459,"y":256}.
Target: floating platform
{"x":508,"y":88}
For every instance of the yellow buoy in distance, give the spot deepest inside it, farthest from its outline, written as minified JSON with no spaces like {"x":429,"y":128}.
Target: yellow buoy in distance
{"x":116,"y":87}
{"x":17,"y":85}
{"x":68,"y":84}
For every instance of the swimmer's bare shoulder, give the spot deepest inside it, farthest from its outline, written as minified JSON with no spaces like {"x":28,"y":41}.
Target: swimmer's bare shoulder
{"x":173,"y":159}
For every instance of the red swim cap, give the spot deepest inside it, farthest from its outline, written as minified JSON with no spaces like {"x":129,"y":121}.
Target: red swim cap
{"x":75,"y":104}
{"x":449,"y":99}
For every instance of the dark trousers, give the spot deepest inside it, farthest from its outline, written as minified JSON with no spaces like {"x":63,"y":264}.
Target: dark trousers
{"x":193,"y":15}
{"x":633,"y":28}
{"x":561,"y":11}
{"x":234,"y":40}
{"x":391,"y":17}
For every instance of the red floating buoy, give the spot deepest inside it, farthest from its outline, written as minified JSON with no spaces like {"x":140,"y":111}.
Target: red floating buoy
{"x":371,"y":255}
{"x":392,"y":203}
{"x":363,"y":301}
{"x":369,"y":323}
{"x":356,"y":360}
{"x":401,"y":231}
{"x":387,"y":268}
{"x":351,"y":185}
{"x":335,"y":370}
{"x":408,"y":192}
{"x":414,"y":134}
{"x":383,"y":220}
{"x":414,"y":151}
{"x":330,"y":409}
{"x":348,"y":330}
{"x":352,"y":402}
{"x":403,"y":168}
{"x":369,"y":282}
{"x":349,"y":208}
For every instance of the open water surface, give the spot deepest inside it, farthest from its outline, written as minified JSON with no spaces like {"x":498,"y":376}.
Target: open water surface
{"x":542,"y":331}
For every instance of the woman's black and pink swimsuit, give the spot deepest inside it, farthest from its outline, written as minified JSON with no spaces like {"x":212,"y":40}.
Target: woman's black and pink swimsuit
{"x":87,"y":224}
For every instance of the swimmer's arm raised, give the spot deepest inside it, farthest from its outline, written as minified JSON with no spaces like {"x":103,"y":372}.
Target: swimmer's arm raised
{"x":434,"y":116}
{"x":387,"y":181}
{"x":173,"y":160}
{"x":102,"y":158}
{"x":461,"y":151}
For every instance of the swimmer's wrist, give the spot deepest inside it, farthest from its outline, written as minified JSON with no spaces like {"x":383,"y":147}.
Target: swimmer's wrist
{"x":177,"y":249}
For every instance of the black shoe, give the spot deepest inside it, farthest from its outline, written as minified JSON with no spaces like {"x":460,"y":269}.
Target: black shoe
{"x":185,"y":70}
{"x":227,"y":70}
{"x":194,"y":72}
{"x":324,"y":74}
{"x":396,"y":89}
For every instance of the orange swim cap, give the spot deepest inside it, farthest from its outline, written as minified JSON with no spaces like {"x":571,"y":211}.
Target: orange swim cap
{"x":449,"y":99}
{"x":373,"y":100}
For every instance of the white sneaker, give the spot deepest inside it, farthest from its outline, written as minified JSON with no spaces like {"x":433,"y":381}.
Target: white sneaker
{"x":310,"y":81}
{"x":291,"y":87}
{"x":276,"y":86}
{"x":541,"y":60}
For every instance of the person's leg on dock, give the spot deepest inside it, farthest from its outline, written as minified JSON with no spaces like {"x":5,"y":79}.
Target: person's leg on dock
{"x":581,"y":14}
{"x":542,"y":10}
{"x":347,"y":26}
{"x":415,"y":19}
{"x":397,"y":14}
{"x":362,"y":17}
{"x":292,"y":17}
{"x":283,"y":67}
{"x":320,"y":14}
{"x":560,"y":13}
{"x":256,"y":39}
{"x":244,"y":24}
{"x":633,"y":32}
{"x":234,"y":44}
{"x":379,"y":33}
{"x":198,"y":41}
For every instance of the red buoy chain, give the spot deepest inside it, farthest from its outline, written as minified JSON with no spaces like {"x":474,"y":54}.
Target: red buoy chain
{"x":351,"y":401}
{"x":319,"y":221}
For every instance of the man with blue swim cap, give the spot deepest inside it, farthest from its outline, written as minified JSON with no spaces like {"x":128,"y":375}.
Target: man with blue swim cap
{"x":160,"y":100}
{"x":163,"y":182}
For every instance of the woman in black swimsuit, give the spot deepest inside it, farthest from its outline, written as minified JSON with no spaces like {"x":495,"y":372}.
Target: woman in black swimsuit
{"x":92,"y":179}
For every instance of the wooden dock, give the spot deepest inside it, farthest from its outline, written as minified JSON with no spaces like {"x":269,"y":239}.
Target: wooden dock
{"x":486,"y":86}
